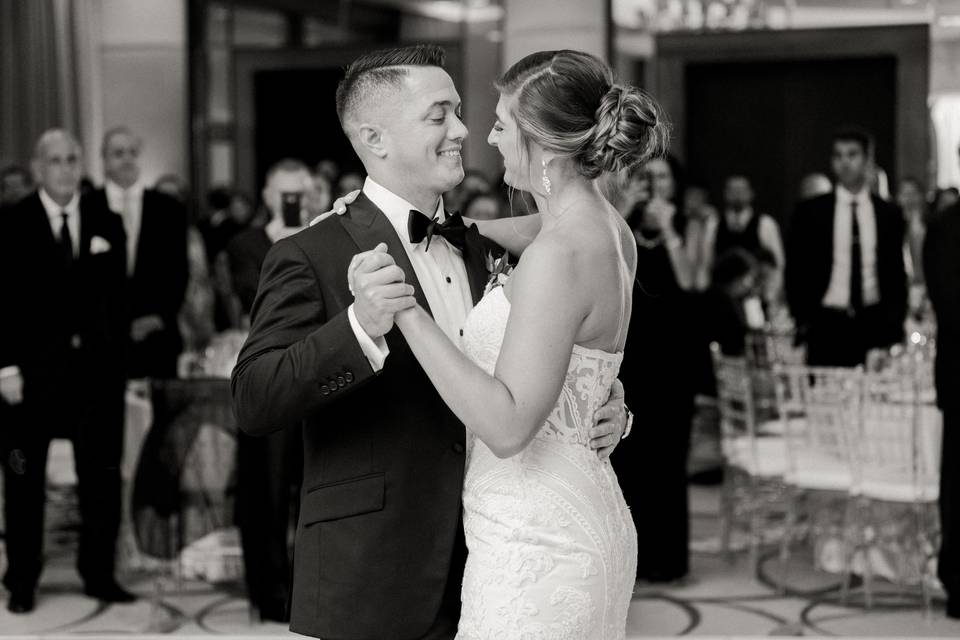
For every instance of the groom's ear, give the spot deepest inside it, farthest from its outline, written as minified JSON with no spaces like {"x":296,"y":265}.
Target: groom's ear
{"x":371,"y":138}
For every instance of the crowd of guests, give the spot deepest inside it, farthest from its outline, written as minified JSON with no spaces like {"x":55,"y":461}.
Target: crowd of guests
{"x":129,"y":281}
{"x":853,"y":264}
{"x":854,"y":267}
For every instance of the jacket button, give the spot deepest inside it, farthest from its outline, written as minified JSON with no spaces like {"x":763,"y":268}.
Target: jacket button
{"x":457,"y":447}
{"x":324,"y":390}
{"x":341,"y":381}
{"x":348,"y":377}
{"x":332,"y":384}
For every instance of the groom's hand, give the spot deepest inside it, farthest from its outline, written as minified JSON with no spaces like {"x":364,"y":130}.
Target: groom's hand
{"x":379,"y":290}
{"x":611,"y":420}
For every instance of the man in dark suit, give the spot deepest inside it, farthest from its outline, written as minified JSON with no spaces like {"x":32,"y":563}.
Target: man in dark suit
{"x":61,"y":367}
{"x":845,"y":279}
{"x":269,"y":467}
{"x":380,"y":547}
{"x":156,"y":228}
{"x":941,"y":267}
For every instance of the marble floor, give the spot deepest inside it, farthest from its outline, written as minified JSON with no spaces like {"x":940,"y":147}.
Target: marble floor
{"x":721,"y":599}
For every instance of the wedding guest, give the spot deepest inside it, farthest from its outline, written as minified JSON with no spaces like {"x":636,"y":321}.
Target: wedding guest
{"x":217,"y":227}
{"x":319,"y":197}
{"x":157,"y":270}
{"x":62,"y":339}
{"x":941,"y":261}
{"x":660,"y":357}
{"x":349,"y":182}
{"x":474,"y":183}
{"x":945,"y":198}
{"x":742,"y":227}
{"x":914,"y":206}
{"x":172,"y":185}
{"x":269,"y":468}
{"x":732,"y":301}
{"x":15,"y":185}
{"x":482,"y":206}
{"x":701,"y":224}
{"x":845,"y":279}
{"x":813,"y":185}
{"x":329,"y":169}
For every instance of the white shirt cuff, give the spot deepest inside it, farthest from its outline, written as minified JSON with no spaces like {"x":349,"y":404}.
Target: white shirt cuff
{"x":376,"y":350}
{"x":12,"y":370}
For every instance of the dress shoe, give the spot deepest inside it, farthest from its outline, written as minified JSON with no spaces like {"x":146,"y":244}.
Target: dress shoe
{"x":109,"y":592}
{"x":21,"y":602}
{"x":953,"y":607}
{"x":273,"y":611}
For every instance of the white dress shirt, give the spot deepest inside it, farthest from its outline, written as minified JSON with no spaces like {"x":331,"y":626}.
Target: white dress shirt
{"x":440,"y":270}
{"x":128,"y":203}
{"x":54,"y":211}
{"x":838,"y":292}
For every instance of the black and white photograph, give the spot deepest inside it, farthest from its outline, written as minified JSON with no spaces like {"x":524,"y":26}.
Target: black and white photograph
{"x":479,"y":319}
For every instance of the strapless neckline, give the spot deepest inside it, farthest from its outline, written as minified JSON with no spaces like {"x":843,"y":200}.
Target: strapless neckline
{"x":615,"y":355}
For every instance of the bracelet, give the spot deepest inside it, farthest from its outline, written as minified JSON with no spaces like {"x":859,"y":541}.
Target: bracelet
{"x":627,"y":429}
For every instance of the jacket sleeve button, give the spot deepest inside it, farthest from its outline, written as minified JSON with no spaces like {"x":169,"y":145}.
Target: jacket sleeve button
{"x":348,"y":377}
{"x":324,"y":390}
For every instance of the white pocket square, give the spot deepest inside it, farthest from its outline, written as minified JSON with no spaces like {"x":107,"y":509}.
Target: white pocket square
{"x":98,"y":245}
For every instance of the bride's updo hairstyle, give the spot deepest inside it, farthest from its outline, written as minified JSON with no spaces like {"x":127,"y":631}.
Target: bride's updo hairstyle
{"x":566,"y":102}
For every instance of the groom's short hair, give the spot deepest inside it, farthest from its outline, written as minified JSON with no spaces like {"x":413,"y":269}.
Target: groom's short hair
{"x":370,"y":75}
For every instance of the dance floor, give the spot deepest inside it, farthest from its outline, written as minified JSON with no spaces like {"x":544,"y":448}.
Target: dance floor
{"x":720,"y":600}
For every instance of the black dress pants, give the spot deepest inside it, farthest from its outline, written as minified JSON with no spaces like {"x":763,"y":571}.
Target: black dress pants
{"x":948,"y":564}
{"x":836,"y":338}
{"x":90,"y":411}
{"x":269,"y":472}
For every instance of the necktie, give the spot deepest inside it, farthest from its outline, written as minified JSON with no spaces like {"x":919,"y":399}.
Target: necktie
{"x":856,"y":262}
{"x":129,"y":228}
{"x":420,"y":226}
{"x":65,"y":241}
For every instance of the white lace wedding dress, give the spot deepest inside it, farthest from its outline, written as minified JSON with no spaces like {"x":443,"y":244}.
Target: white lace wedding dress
{"x":552,"y":546}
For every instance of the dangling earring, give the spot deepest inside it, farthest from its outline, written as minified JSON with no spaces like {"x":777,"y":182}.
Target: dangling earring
{"x":546,"y":178}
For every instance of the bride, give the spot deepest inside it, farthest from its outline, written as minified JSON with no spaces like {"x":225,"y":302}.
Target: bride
{"x":552,"y":547}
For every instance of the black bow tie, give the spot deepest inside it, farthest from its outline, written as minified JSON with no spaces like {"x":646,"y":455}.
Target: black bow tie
{"x":420,"y":226}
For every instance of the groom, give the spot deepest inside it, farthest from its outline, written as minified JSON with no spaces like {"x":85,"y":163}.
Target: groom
{"x":379,"y":548}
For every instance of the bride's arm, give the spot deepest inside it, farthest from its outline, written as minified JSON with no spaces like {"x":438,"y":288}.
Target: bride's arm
{"x":506,"y":409}
{"x":513,"y":234}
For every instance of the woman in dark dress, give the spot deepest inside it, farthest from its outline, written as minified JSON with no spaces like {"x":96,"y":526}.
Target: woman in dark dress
{"x":659,"y":373}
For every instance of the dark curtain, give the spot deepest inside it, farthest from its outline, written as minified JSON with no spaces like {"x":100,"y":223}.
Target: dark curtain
{"x":38,"y":79}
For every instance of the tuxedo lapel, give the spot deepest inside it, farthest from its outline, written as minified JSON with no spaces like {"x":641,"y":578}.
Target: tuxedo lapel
{"x":474,"y":259}
{"x":368,"y":226}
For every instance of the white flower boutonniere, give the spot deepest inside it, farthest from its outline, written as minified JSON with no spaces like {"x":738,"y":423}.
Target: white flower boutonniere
{"x":98,"y":245}
{"x":499,"y":270}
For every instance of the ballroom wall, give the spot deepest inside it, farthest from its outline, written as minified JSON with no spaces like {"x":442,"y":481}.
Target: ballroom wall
{"x":133,"y":72}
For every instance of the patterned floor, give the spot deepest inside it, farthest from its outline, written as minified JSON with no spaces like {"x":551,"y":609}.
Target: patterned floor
{"x":720,"y":600}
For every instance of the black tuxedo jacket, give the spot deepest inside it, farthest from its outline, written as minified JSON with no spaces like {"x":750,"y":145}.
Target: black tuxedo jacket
{"x":941,"y":269}
{"x":809,"y":263}
{"x":159,"y":279}
{"x":380,"y":505}
{"x":49,"y":315}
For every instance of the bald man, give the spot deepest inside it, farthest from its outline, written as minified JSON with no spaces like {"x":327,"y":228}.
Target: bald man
{"x":61,"y":367}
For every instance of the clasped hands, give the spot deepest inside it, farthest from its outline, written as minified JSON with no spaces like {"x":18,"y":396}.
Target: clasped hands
{"x":380,"y":292}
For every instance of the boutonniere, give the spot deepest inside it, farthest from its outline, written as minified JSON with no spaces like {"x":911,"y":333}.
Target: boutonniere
{"x":499,"y":270}
{"x":98,"y":245}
